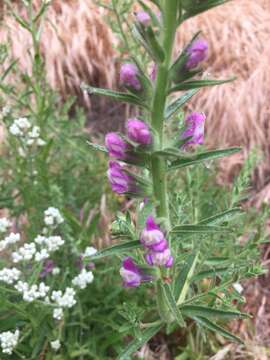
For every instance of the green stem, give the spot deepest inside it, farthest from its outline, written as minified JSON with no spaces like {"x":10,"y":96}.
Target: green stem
{"x":158,"y":165}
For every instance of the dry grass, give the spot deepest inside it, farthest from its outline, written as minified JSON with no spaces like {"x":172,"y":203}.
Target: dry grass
{"x":76,"y":45}
{"x":238,"y":114}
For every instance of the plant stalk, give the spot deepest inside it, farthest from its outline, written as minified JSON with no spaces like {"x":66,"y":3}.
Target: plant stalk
{"x":158,"y":165}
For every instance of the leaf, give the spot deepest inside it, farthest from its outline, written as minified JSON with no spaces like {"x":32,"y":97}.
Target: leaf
{"x":210,"y":273}
{"x":137,"y":343}
{"x":208,"y":312}
{"x":197,"y":84}
{"x":207,"y":155}
{"x":216,"y":328}
{"x":97,"y":147}
{"x":198,"y":229}
{"x":115,"y":250}
{"x":193,"y":9}
{"x":177,"y":104}
{"x":222,"y":217}
{"x":182,"y":281}
{"x":169,"y":300}
{"x":119,"y":96}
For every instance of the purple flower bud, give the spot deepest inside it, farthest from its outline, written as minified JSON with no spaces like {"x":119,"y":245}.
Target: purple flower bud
{"x":152,"y":237}
{"x":48,"y":267}
{"x":79,"y":264}
{"x":130,"y":273}
{"x":139,"y":132}
{"x":143,"y":18}
{"x":120,"y":181}
{"x":153,"y":72}
{"x":163,"y":258}
{"x":116,"y":146}
{"x":195,"y":128}
{"x":197,"y":53}
{"x":129,"y":76}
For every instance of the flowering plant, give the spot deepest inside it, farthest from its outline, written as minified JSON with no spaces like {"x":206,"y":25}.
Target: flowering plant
{"x":159,"y":250}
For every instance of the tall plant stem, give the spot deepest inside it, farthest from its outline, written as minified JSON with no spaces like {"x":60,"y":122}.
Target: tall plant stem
{"x":170,"y":10}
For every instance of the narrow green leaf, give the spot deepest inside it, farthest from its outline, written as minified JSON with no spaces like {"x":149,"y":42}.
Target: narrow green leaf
{"x":199,"y":229}
{"x":216,"y":328}
{"x":197,"y":84}
{"x":207,"y":155}
{"x":172,"y":306}
{"x":115,"y":250}
{"x":193,"y":9}
{"x":210,"y":273}
{"x":137,"y":343}
{"x":222,"y":217}
{"x":208,"y":312}
{"x":177,"y":104}
{"x":119,"y":96}
{"x":155,"y":46}
{"x":97,"y":147}
{"x":182,"y":281}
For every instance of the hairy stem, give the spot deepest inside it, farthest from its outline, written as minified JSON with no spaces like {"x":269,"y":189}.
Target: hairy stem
{"x":158,"y":106}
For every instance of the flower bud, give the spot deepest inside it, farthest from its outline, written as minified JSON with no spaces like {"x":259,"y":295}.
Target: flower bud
{"x":163,"y":258}
{"x":120,"y":181}
{"x":195,"y":128}
{"x":139,"y":132}
{"x":129,"y":76}
{"x":131,"y":273}
{"x":116,"y":146}
{"x":152,"y":237}
{"x":197,"y":52}
{"x":143,"y":18}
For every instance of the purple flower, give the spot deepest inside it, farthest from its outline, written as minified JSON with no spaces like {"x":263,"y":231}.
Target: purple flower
{"x":138,"y":131}
{"x":197,"y":53}
{"x":129,"y":76}
{"x":195,"y":128}
{"x":152,"y":237}
{"x":116,"y":146}
{"x":163,"y":258}
{"x":48,"y":267}
{"x":131,"y":273}
{"x":79,"y":264}
{"x":143,"y":18}
{"x":120,"y":181}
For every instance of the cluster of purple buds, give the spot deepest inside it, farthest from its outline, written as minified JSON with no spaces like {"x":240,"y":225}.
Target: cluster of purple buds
{"x":129,"y":77}
{"x":48,"y":267}
{"x":197,"y":52}
{"x":118,"y":148}
{"x":153,"y":239}
{"x":143,"y":18}
{"x":131,"y":273}
{"x":194,"y":129}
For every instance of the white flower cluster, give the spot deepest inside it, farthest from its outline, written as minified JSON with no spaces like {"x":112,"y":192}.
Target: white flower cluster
{"x":9,"y":340}
{"x":23,"y":129}
{"x":38,"y":250}
{"x":83,"y":279}
{"x":9,"y":276}
{"x":4,"y":224}
{"x":10,"y":239}
{"x":52,"y":217}
{"x":58,"y":313}
{"x":5,"y":111}
{"x":55,"y":345}
{"x":33,"y":292}
{"x":89,"y":251}
{"x":66,"y":299}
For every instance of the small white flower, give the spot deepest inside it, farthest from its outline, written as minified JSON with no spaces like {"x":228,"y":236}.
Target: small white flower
{"x":15,"y":130}
{"x":9,"y":340}
{"x":35,"y":132}
{"x":33,"y":292}
{"x":26,"y":252}
{"x":89,"y":251}
{"x":56,"y":271}
{"x":83,"y":279}
{"x":55,"y":345}
{"x":6,"y":110}
{"x":66,"y":299}
{"x":9,"y":276}
{"x":238,"y":287}
{"x":58,"y":314}
{"x":10,"y":239}
{"x":4,"y":224}
{"x":41,"y":142}
{"x":23,"y":123}
{"x":41,"y":255}
{"x":52,"y":216}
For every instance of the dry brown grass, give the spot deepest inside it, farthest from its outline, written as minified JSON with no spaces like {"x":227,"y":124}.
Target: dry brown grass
{"x":76,"y":45}
{"x":238,"y":114}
